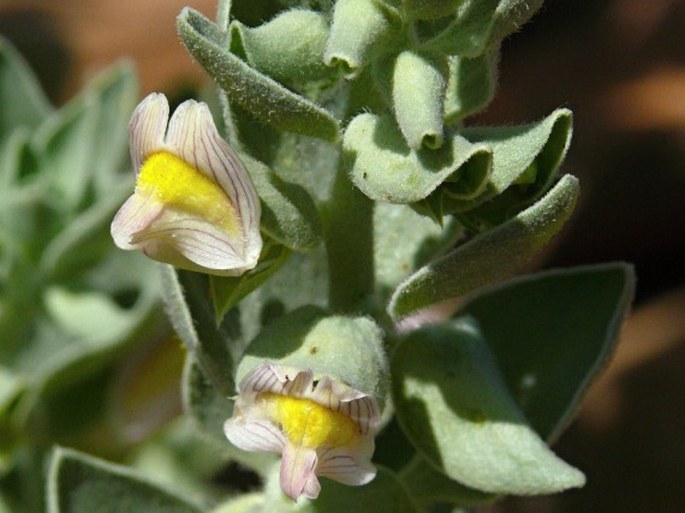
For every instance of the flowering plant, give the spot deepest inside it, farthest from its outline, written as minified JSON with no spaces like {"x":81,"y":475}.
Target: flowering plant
{"x":337,"y":265}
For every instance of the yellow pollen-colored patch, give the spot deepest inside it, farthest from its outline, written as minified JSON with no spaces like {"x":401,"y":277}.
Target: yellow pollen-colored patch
{"x":309,"y":424}
{"x":176,"y":183}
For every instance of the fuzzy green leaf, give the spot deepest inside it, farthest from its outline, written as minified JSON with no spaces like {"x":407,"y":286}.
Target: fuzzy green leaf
{"x":75,"y":328}
{"x":264,"y":98}
{"x":525,"y":163}
{"x":22,"y":102}
{"x":489,"y":257}
{"x":85,"y":141}
{"x":471,"y":85}
{"x":10,"y":386}
{"x":358,"y":28}
{"x":289,"y":215}
{"x":290,"y":47}
{"x":426,"y":484}
{"x":82,"y":484}
{"x":454,"y":407}
{"x":404,"y":241}
{"x":482,"y":24}
{"x":89,"y":231}
{"x":418,"y":91}
{"x":551,"y":333}
{"x":429,"y":9}
{"x":384,"y":168}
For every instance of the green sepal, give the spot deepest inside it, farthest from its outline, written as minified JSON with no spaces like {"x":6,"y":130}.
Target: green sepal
{"x":455,"y":409}
{"x":358,"y":29}
{"x":289,"y":48}
{"x":213,"y":345}
{"x":418,"y":91}
{"x":552,"y":333}
{"x":471,"y":85}
{"x":22,"y":102}
{"x":267,"y":100}
{"x":384,"y":168}
{"x":488,"y":257}
{"x":482,"y":24}
{"x":78,"y":483}
{"x":526,"y":159}
{"x":227,"y":291}
{"x":349,"y":349}
{"x":289,"y":215}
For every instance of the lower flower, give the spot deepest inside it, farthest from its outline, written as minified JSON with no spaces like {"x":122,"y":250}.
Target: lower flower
{"x":321,"y":427}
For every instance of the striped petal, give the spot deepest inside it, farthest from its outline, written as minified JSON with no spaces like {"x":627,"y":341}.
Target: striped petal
{"x":136,"y":214}
{"x":350,"y":467}
{"x":360,"y":407}
{"x":298,"y":472}
{"x":252,"y":433}
{"x":193,"y":136}
{"x":189,"y":242}
{"x":146,"y":128}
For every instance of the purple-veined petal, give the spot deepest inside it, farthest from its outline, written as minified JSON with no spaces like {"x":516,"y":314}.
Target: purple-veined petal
{"x":146,"y":128}
{"x":253,"y":433}
{"x":204,"y":245}
{"x":193,"y":136}
{"x":277,"y":379}
{"x":358,"y":406}
{"x":350,"y":467}
{"x":136,"y":214}
{"x":312,"y":487}
{"x":298,"y":472}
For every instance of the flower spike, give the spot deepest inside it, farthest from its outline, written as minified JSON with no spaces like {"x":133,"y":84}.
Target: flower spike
{"x":320,"y":427}
{"x":194,"y":205}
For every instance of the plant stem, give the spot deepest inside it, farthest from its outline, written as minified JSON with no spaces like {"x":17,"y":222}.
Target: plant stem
{"x":349,"y":243}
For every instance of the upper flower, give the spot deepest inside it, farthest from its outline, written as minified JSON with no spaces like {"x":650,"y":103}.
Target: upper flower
{"x":194,"y":205}
{"x":321,"y":427}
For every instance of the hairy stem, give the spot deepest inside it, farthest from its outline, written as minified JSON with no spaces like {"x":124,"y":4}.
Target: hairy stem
{"x":349,"y":243}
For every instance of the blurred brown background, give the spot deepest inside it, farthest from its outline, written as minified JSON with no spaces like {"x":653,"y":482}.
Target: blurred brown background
{"x":620,"y":66}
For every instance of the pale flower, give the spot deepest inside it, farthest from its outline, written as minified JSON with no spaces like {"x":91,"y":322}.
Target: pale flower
{"x":321,"y":427}
{"x":194,"y":205}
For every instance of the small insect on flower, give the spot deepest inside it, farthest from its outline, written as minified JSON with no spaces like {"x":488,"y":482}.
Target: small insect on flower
{"x":321,"y":428}
{"x":194,"y":205}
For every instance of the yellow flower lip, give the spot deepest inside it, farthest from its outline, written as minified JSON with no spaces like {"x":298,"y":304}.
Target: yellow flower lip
{"x":194,"y":205}
{"x":321,"y":428}
{"x":177,"y":184}
{"x":311,"y":424}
